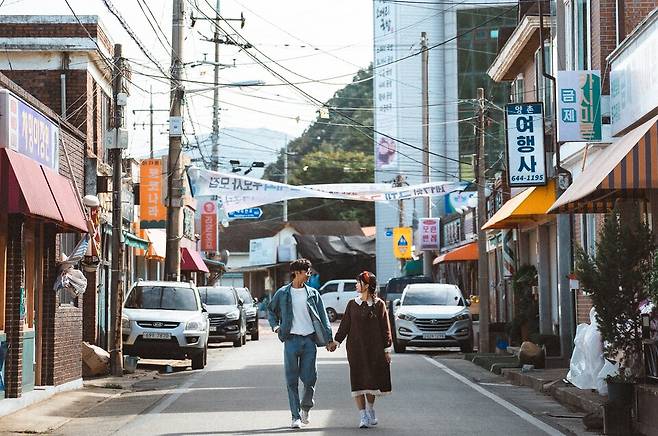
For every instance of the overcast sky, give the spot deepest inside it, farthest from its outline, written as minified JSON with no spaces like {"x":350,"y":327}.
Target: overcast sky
{"x":314,"y":40}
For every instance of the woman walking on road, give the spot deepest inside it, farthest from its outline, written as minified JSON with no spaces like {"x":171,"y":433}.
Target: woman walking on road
{"x":365,"y":324}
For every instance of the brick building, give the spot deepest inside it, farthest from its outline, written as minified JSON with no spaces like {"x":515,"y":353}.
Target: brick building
{"x":66,"y":64}
{"x":41,"y":329}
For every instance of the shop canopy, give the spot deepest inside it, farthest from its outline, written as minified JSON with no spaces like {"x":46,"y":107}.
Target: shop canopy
{"x":36,"y":190}
{"x":157,"y":238}
{"x":191,"y":260}
{"x":460,"y":254}
{"x":134,"y":241}
{"x":530,"y":205}
{"x":625,"y":169}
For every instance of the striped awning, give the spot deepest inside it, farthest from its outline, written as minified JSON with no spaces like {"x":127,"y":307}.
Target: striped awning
{"x":625,"y":169}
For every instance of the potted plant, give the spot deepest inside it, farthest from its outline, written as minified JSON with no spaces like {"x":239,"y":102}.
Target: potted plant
{"x":617,"y":277}
{"x":525,"y":323}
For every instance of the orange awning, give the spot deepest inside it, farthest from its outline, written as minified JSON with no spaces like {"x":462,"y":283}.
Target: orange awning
{"x":530,"y":205}
{"x":459,"y":254}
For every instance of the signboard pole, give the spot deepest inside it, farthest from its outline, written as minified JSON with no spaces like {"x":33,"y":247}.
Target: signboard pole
{"x":483,"y":265}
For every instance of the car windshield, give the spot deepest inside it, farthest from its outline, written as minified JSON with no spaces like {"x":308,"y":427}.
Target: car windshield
{"x":218,"y":296}
{"x":161,"y":297}
{"x":246,"y":296}
{"x":444,"y":296}
{"x":395,"y":286}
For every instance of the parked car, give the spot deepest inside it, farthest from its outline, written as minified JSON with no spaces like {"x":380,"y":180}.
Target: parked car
{"x":251,"y":311}
{"x":228,"y":321}
{"x":432,"y":315}
{"x":335,"y":296}
{"x":165,"y":320}
{"x":393,"y":290}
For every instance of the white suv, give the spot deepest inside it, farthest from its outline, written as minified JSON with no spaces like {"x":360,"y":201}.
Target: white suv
{"x":335,"y":296}
{"x":165,"y":320}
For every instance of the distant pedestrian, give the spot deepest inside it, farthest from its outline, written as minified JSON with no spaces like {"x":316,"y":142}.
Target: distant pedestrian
{"x":365,"y":324}
{"x":296,"y":313}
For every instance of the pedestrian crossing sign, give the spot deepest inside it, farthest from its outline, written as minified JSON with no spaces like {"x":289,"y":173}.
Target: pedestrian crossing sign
{"x":402,"y":241}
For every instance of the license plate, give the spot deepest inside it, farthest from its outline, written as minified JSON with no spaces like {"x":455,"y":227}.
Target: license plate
{"x":434,"y":335}
{"x":213,"y":328}
{"x":156,"y":335}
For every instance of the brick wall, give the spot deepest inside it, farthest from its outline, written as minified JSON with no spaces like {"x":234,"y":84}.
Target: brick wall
{"x":583,"y":306}
{"x":89,"y":310}
{"x":13,"y":324}
{"x":58,"y":30}
{"x":68,"y":340}
{"x":49,"y":304}
{"x":635,"y":11}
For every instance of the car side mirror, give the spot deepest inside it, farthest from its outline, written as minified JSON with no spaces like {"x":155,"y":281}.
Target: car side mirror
{"x":204,"y":308}
{"x":468,"y":303}
{"x":240,"y":302}
{"x":255,"y":300}
{"x":397,"y":302}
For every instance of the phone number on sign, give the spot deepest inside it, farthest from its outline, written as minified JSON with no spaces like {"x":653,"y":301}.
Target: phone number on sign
{"x":528,"y":178}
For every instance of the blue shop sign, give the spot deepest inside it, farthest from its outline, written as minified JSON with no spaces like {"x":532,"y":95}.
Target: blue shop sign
{"x":27,"y":131}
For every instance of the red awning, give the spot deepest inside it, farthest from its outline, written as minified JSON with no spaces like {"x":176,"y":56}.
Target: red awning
{"x":190,"y":260}
{"x":38,"y":191}
{"x":459,"y":254}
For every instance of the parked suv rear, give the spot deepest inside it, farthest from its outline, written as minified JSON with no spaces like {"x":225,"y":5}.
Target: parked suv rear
{"x":251,"y":312}
{"x":228,"y":321}
{"x":165,"y":320}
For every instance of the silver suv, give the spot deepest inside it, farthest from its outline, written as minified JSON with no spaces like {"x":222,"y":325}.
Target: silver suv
{"x":165,"y":320}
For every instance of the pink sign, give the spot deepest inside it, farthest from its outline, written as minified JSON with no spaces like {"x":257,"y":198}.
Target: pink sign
{"x":429,"y":233}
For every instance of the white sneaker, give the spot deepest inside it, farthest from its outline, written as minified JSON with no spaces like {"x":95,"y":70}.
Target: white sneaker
{"x":364,"y":422}
{"x":296,"y":423}
{"x":372,"y":419}
{"x":304,"y":415}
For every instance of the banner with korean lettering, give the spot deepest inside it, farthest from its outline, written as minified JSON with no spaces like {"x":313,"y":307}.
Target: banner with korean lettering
{"x":209,"y":226}
{"x":429,"y":234}
{"x":239,"y":192}
{"x":526,"y":159}
{"x":153,"y":214}
{"x":579,"y":106}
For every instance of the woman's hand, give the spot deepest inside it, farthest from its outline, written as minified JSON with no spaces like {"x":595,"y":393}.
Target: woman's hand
{"x":387,"y":356}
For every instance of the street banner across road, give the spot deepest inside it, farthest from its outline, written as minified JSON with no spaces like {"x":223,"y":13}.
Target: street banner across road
{"x":240,"y":192}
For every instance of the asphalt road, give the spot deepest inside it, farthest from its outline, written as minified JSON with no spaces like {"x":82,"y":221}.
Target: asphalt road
{"x":242,"y":392}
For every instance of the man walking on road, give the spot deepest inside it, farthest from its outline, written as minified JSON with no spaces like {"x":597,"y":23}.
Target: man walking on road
{"x":296,"y":313}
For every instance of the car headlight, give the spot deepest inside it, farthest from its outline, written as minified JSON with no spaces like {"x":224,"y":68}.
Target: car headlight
{"x":462,"y":316}
{"x":195,"y":325}
{"x":406,"y":316}
{"x":233,"y":315}
{"x":125,"y":324}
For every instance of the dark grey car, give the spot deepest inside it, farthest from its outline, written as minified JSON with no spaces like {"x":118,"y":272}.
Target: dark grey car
{"x":228,"y":320}
{"x":251,"y":311}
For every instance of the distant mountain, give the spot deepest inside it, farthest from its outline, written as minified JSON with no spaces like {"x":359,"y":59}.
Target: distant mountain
{"x":245,"y":145}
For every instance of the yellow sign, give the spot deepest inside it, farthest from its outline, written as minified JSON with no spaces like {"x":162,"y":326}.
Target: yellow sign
{"x":402,"y":240}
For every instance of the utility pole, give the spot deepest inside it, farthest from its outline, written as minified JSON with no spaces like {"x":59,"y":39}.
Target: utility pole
{"x":174,"y":162}
{"x":151,"y":122}
{"x":483,"y":267}
{"x":399,"y":182}
{"x":215,"y":98}
{"x":116,"y":354}
{"x":285,"y":179}
{"x":427,"y":205}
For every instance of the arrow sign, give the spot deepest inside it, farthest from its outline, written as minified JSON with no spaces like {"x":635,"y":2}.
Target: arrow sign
{"x":246,"y":214}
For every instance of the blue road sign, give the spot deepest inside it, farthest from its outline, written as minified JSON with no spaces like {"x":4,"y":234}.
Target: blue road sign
{"x":389,"y":232}
{"x":246,"y":214}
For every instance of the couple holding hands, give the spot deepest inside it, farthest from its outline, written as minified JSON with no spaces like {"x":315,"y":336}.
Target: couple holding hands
{"x":296,"y":313}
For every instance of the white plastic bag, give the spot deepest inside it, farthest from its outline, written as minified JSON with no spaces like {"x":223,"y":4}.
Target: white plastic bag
{"x":587,"y":358}
{"x":609,"y":369}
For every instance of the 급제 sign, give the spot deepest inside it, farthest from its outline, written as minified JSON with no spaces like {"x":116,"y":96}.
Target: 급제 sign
{"x":526,"y":160}
{"x":579,"y":106}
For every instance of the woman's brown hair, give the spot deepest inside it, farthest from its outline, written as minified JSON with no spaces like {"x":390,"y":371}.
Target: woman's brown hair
{"x":367,"y":278}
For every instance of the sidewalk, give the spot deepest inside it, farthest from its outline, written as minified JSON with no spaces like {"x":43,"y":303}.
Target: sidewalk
{"x":46,"y":413}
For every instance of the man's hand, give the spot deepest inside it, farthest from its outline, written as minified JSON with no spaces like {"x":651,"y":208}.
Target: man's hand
{"x":387,"y":356}
{"x":276,"y":329}
{"x":331,"y":346}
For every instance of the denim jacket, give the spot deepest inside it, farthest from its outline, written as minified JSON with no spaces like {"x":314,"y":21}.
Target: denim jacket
{"x":280,"y":314}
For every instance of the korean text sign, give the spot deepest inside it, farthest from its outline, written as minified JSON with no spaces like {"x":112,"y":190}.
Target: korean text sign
{"x":526,"y":159}
{"x":579,"y":106}
{"x":209,"y":226}
{"x":429,"y":234}
{"x":27,"y":131}
{"x":151,"y":208}
{"x":402,"y":242}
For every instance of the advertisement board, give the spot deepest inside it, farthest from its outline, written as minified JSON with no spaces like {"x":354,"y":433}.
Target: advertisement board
{"x":263,"y":251}
{"x":208,"y":220}
{"x":429,"y":233}
{"x":153,"y":214}
{"x":579,"y":106}
{"x":526,"y":158}
{"x":402,"y":241}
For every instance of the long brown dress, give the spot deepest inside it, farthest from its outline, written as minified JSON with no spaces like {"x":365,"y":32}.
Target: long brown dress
{"x":368,"y":334}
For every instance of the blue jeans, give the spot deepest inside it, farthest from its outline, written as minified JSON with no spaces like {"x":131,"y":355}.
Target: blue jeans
{"x":299,"y":354}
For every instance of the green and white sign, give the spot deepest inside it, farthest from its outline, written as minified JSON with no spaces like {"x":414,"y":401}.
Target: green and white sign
{"x":579,"y":106}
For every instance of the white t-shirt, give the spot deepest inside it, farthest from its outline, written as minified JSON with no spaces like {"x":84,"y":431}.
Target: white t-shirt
{"x":301,"y":320}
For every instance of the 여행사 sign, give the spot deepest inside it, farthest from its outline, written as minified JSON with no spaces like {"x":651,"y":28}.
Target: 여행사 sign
{"x":526,"y":161}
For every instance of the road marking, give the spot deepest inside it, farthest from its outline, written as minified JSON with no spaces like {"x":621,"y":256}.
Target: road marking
{"x":506,"y":404}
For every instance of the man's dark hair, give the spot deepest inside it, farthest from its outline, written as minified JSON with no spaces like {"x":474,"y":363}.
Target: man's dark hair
{"x":300,"y":265}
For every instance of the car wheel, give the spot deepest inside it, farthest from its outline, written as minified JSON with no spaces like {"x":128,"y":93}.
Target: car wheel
{"x":244,"y":338}
{"x":466,"y":346}
{"x":254,"y":334}
{"x":331,"y":314}
{"x":199,"y":359}
{"x":238,"y":343}
{"x":399,"y":346}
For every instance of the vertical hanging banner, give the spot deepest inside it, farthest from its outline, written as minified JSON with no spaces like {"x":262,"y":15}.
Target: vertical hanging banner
{"x":153,"y":214}
{"x":429,"y":233}
{"x":402,"y":240}
{"x":209,"y":226}
{"x":526,"y":159}
{"x":579,"y":106}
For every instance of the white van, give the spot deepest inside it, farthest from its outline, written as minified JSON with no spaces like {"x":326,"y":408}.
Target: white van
{"x":335,"y":296}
